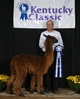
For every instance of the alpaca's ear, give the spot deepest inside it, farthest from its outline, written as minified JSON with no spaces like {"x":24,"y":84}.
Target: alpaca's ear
{"x":45,"y":35}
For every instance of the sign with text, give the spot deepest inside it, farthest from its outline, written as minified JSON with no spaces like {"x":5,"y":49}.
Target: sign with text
{"x":35,"y":13}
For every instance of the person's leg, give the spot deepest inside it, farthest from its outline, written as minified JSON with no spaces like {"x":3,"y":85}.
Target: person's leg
{"x":47,"y":81}
{"x":62,"y":82}
{"x":55,"y":80}
{"x":55,"y":85}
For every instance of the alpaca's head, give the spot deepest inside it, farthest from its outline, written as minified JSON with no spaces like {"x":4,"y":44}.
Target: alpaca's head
{"x":50,"y":39}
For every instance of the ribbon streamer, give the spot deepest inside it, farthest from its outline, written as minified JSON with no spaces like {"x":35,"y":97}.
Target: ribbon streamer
{"x":24,"y":16}
{"x":58,"y":68}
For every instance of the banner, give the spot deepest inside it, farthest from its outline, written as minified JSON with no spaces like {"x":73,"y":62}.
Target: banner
{"x":35,"y":13}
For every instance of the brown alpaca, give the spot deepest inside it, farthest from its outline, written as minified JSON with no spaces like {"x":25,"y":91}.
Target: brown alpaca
{"x":36,"y":65}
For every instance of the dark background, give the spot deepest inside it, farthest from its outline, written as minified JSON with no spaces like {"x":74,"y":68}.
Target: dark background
{"x":15,"y":41}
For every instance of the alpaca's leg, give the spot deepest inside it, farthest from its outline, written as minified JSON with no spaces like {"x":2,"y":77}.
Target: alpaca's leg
{"x":39,"y":79}
{"x":10,"y":83}
{"x":18,"y":82}
{"x":32,"y":84}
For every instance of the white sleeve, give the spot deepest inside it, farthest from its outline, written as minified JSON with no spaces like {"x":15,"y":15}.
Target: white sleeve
{"x":60,"y":41}
{"x":41,"y":41}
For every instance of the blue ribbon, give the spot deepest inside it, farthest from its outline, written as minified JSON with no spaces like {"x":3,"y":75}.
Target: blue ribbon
{"x":24,"y":16}
{"x":58,"y":68}
{"x":24,"y":8}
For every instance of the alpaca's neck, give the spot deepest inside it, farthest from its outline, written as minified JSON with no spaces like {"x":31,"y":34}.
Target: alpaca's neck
{"x":49,"y":49}
{"x":49,"y":55}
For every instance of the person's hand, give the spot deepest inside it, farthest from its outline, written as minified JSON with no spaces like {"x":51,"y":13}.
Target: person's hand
{"x":57,"y":48}
{"x":44,"y":42}
{"x":62,"y":47}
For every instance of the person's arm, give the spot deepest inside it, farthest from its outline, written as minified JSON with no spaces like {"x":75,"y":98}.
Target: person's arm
{"x":41,"y":42}
{"x":60,"y":41}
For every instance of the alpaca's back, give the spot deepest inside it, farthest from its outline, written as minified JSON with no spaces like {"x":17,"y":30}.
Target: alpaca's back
{"x":26,"y":62}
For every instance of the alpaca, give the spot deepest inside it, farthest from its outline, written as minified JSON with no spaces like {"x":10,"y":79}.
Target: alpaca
{"x":36,"y":65}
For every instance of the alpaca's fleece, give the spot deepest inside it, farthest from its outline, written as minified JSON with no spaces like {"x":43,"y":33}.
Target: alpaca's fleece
{"x":36,"y":65}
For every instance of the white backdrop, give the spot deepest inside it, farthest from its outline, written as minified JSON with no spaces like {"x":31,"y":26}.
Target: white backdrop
{"x":34,"y":13}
